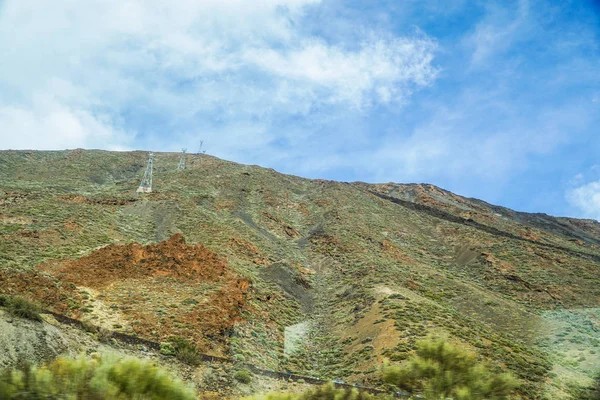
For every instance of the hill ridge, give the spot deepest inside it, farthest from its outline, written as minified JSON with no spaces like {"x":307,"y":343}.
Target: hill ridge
{"x":354,"y":272}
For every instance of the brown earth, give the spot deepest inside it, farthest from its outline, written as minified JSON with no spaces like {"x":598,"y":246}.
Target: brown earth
{"x":396,"y":253}
{"x":161,"y":290}
{"x":171,"y":258}
{"x":247,"y":250}
{"x":40,"y":287}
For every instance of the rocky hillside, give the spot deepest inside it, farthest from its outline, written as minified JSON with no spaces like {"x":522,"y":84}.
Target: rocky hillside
{"x":323,"y":278}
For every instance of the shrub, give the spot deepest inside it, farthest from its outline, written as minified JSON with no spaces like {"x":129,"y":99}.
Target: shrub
{"x":97,"y":378}
{"x":167,"y":349}
{"x":21,"y":307}
{"x":593,"y":393}
{"x":243,"y":375}
{"x":104,"y":335}
{"x":443,"y":370}
{"x":188,"y":355}
{"x":185,"y":351}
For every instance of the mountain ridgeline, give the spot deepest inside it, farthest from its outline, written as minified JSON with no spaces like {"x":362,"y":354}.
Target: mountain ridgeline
{"x":320,"y":278}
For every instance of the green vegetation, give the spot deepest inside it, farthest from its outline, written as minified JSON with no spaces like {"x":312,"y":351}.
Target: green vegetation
{"x":591,"y":393}
{"x":442,"y":370}
{"x":327,"y":392}
{"x":354,"y":265}
{"x":167,"y":349}
{"x":184,"y":351}
{"x":21,"y":307}
{"x":243,"y":375}
{"x":92,"y":378}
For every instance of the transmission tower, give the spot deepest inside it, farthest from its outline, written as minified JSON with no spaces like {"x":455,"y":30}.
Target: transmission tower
{"x":146,"y":184}
{"x":182,"y":160}
{"x":200,"y":148}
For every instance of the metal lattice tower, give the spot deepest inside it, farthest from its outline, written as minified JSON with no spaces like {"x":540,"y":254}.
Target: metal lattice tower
{"x":200,"y":151}
{"x":182,"y":160}
{"x":146,"y":184}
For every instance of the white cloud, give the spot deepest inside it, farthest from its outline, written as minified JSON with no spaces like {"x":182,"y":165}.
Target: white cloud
{"x":497,"y":32}
{"x":457,"y":142}
{"x":245,"y":60}
{"x":48,"y":124}
{"x":377,"y":70}
{"x":586,"y":199}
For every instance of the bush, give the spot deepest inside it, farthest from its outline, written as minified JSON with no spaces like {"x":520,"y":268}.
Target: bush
{"x":99,"y":378}
{"x":167,"y":349}
{"x":188,"y":355}
{"x":185,"y":351}
{"x":243,"y":375}
{"x":21,"y":307}
{"x":443,"y":370}
{"x":326,"y":392}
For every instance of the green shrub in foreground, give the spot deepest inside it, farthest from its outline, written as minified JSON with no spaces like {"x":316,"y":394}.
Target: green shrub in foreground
{"x":21,"y":307}
{"x":101,"y":378}
{"x":442,"y":370}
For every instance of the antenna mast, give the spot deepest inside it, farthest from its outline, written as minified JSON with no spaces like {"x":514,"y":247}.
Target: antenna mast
{"x":146,"y":184}
{"x":182,"y":160}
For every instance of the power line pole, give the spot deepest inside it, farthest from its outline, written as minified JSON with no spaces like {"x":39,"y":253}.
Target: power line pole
{"x":146,"y":184}
{"x":182,"y":160}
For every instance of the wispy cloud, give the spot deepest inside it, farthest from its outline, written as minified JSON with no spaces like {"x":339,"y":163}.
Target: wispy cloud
{"x":456,"y":143}
{"x":379,"y":71}
{"x":57,"y":118}
{"x":498,"y":30}
{"x":586,"y":198}
{"x":235,"y":63}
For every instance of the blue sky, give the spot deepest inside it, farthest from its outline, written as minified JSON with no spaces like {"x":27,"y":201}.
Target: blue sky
{"x":494,"y":100}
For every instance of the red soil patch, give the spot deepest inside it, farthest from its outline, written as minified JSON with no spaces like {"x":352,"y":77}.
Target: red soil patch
{"x":396,"y":253}
{"x":248,"y":251}
{"x":44,"y":289}
{"x":162,"y":290}
{"x":302,"y":207}
{"x":171,"y":258}
{"x":225,"y":205}
{"x":281,"y":227}
{"x":72,"y":225}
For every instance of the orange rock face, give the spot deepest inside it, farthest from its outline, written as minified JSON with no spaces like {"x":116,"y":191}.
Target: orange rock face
{"x":171,"y":258}
{"x":159,"y":290}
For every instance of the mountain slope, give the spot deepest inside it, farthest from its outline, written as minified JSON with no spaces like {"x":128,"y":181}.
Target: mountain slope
{"x":342,"y":277}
